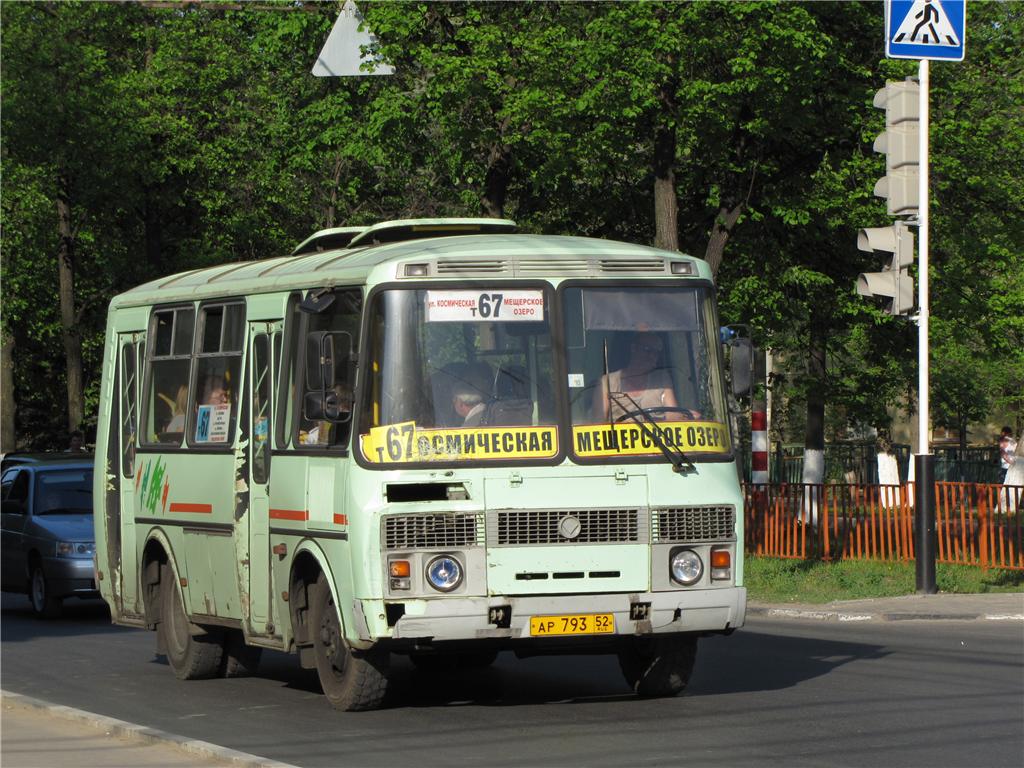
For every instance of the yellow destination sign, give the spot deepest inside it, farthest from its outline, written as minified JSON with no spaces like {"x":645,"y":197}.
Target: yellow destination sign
{"x":405,"y":443}
{"x":633,"y":439}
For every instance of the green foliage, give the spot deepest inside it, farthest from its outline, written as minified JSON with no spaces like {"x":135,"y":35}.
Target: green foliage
{"x":196,"y":135}
{"x":776,"y":580}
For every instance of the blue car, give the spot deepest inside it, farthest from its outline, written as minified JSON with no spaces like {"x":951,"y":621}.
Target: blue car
{"x":48,"y":540}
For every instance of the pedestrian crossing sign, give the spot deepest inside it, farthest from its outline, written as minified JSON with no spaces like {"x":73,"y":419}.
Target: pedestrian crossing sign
{"x":925,"y":29}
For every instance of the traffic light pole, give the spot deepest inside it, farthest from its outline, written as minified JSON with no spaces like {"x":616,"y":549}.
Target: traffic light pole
{"x":924,"y":461}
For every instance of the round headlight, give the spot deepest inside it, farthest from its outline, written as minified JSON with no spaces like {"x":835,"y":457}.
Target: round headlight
{"x":444,"y":573}
{"x":687,"y":567}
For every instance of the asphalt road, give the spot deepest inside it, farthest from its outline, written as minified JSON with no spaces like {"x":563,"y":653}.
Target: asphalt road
{"x":777,"y":692}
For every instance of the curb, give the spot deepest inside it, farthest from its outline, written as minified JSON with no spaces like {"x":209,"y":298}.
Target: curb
{"x":842,"y":616}
{"x":141,"y":733}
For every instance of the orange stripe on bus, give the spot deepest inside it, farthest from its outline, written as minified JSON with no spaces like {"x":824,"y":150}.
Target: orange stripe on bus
{"x":203,"y":509}
{"x":341,"y":519}
{"x":289,"y":514}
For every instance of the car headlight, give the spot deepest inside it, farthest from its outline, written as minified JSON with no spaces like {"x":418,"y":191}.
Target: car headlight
{"x":75,"y":548}
{"x":687,"y":567}
{"x":444,"y":573}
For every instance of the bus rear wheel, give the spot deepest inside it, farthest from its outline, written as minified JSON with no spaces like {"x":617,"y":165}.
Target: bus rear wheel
{"x":352,"y":680}
{"x":192,"y":657}
{"x":658,"y":666}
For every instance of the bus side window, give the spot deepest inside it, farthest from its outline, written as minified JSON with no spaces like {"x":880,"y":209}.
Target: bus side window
{"x":129,"y":407}
{"x":341,"y":320}
{"x":170,"y":361}
{"x":288,"y":379}
{"x":215,"y":391}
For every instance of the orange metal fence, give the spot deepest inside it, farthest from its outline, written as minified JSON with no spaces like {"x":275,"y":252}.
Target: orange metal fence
{"x":976,"y":524}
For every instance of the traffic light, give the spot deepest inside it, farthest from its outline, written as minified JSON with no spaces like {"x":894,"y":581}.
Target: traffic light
{"x":899,"y":144}
{"x":893,"y":284}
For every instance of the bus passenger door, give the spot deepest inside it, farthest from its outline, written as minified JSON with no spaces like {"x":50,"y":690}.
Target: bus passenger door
{"x":261,"y":388}
{"x":131,"y":347}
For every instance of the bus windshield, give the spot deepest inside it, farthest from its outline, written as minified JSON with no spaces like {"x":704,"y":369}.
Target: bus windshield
{"x":467,"y":375}
{"x":640,"y":359}
{"x":460,"y":375}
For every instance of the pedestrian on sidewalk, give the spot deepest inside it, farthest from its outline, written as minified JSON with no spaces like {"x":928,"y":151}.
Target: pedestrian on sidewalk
{"x":1007,"y":452}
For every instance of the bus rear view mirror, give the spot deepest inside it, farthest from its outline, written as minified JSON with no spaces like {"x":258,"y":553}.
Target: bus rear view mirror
{"x":319,"y":361}
{"x":740,"y":361}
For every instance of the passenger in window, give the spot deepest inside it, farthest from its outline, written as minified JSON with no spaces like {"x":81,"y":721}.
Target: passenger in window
{"x":215,"y":393}
{"x":177,"y":422}
{"x":644,"y":383}
{"x":468,"y":404}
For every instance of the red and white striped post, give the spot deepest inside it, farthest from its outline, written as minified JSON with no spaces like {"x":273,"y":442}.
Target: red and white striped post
{"x":759,"y":443}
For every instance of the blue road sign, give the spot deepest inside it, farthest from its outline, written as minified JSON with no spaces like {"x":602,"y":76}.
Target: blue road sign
{"x":925,"y":29}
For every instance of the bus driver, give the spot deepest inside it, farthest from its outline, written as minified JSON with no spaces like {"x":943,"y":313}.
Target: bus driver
{"x":648,"y":385}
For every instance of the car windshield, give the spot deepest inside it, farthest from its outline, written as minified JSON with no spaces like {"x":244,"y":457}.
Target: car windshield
{"x":63,"y":492}
{"x":459,"y":374}
{"x":640,"y":359}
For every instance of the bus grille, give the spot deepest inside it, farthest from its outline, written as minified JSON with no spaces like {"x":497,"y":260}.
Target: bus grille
{"x":633,"y":265}
{"x":472,"y":266}
{"x":544,"y":526}
{"x":440,"y":531}
{"x":693,"y":524}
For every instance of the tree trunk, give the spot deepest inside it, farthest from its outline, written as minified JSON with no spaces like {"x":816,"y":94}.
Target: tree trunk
{"x":8,"y":406}
{"x":814,"y":434}
{"x":68,"y":318}
{"x":666,"y":206}
{"x":499,"y":170}
{"x":720,"y":231}
{"x":332,"y":206}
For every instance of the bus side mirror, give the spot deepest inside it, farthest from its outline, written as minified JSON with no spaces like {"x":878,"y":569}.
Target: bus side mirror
{"x":740,"y":366}
{"x":319,"y":361}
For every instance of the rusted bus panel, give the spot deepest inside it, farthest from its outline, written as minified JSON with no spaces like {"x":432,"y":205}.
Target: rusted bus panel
{"x":977,"y":524}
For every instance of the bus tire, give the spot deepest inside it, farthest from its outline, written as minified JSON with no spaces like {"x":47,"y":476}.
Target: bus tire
{"x":658,"y":666}
{"x":351,"y":680}
{"x":240,"y":659}
{"x":192,"y":657}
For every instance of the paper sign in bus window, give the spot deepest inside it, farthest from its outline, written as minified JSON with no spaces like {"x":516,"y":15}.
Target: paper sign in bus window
{"x":498,"y":306}
{"x":212,"y":423}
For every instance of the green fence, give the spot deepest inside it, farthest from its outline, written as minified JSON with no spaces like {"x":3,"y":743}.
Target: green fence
{"x":858,"y":463}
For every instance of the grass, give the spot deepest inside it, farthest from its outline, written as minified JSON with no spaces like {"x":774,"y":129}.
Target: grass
{"x":776,"y":580}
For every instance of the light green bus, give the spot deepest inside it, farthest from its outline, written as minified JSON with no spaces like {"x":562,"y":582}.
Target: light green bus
{"x":434,"y":438}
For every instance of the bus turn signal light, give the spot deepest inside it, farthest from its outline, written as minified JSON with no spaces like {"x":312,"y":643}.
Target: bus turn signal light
{"x":721,"y":564}
{"x":400,"y":571}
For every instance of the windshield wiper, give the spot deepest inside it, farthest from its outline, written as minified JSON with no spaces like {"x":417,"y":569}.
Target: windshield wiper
{"x":680,"y":461}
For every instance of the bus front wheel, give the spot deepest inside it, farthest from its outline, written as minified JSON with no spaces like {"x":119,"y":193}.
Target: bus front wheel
{"x":192,"y":657}
{"x":658,"y":666}
{"x":352,"y":680}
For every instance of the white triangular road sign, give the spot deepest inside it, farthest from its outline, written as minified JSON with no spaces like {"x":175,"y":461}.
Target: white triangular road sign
{"x":926,"y":23}
{"x":342,"y":54}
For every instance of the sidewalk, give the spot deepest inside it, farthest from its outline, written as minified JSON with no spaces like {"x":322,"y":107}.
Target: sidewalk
{"x":36,"y":734}
{"x":941,"y":607}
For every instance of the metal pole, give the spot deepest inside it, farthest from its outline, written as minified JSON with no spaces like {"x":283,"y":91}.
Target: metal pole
{"x":924,"y":494}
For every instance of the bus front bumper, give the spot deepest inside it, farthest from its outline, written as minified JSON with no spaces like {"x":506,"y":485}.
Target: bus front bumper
{"x":469,"y":618}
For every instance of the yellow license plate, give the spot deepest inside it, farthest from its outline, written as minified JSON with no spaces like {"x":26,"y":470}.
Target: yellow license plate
{"x":573,"y":624}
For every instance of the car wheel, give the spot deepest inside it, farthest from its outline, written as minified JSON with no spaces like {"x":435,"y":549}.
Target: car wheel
{"x":192,"y":657}
{"x":352,"y":680}
{"x":660,"y":666}
{"x":240,"y":659}
{"x":44,"y":605}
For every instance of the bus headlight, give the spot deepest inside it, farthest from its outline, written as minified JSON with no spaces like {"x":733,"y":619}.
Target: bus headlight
{"x":444,"y":573}
{"x":686,"y":567}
